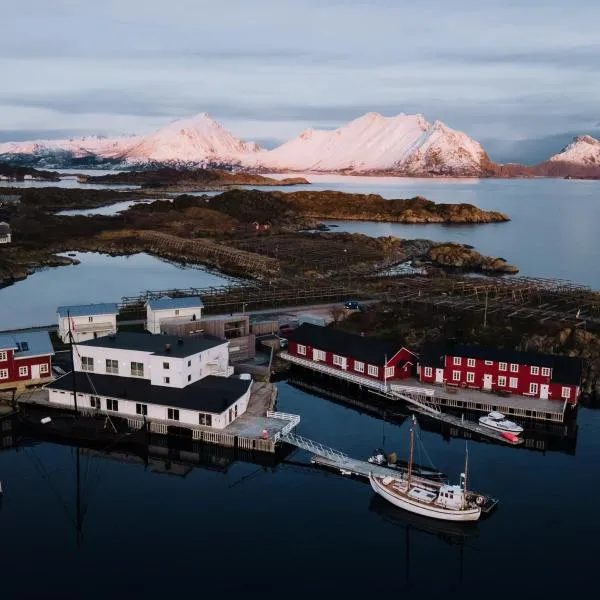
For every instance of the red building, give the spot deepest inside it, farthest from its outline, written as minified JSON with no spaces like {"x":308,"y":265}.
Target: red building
{"x":533,"y":374}
{"x":364,"y":356}
{"x":25,"y":359}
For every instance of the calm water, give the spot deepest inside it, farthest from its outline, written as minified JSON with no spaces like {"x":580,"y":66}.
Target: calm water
{"x":297,"y":530}
{"x":99,"y":278}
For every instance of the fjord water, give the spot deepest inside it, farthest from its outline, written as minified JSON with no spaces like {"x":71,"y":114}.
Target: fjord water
{"x":253,"y":531}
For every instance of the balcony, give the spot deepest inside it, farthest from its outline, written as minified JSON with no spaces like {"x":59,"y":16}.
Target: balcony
{"x":95,"y":327}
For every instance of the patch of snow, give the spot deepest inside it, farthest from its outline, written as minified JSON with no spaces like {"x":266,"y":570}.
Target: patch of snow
{"x":583,"y":150}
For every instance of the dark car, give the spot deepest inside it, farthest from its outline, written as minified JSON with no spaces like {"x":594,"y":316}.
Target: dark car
{"x":352,"y":305}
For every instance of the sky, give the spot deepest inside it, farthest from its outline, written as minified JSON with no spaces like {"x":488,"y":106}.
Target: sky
{"x":522,"y":76}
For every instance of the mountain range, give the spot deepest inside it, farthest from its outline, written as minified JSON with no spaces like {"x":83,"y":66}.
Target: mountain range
{"x":372,"y":144}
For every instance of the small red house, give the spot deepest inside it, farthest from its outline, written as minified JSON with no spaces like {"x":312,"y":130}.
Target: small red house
{"x":364,"y":356}
{"x":545,"y":376}
{"x":25,"y":359}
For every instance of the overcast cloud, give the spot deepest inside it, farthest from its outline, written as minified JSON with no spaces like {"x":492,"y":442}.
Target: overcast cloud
{"x":504,"y":72}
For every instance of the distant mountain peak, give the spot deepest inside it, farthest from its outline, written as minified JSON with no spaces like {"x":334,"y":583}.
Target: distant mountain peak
{"x":584,"y":150}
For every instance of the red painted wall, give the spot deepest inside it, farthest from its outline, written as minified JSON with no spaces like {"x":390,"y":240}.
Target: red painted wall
{"x":523,"y":375}
{"x":399,"y":372}
{"x":13,"y":365}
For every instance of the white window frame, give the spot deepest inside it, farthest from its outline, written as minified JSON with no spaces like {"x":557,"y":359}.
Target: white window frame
{"x":501,"y":381}
{"x":534,"y":388}
{"x":24,"y":371}
{"x":470,"y":362}
{"x":359,"y":366}
{"x":136,"y":374}
{"x":96,"y":402}
{"x":141,"y":409}
{"x":373,"y":371}
{"x":389,"y":372}
{"x":3,"y":355}
{"x":502,"y":366}
{"x":174,"y":414}
{"x":3,"y":373}
{"x":88,"y":365}
{"x":455,"y":375}
{"x":456,"y":360}
{"x":339,"y":361}
{"x":471,"y":377}
{"x":514,"y":368}
{"x":535,"y":370}
{"x":112,"y":369}
{"x":513,"y":383}
{"x":90,"y":319}
{"x":546,"y":371}
{"x":320,"y":355}
{"x":113,"y":404}
{"x":428,"y":372}
{"x":565,"y":392}
{"x":489,"y":363}
{"x":301,"y":349}
{"x":44,"y":370}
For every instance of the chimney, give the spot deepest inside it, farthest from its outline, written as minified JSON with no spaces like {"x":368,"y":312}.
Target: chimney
{"x":167,"y":347}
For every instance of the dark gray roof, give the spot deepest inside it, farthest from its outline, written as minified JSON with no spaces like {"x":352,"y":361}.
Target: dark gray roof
{"x":565,"y":369}
{"x":180,"y":347}
{"x":366,"y":349}
{"x":4,"y":228}
{"x":211,"y":394}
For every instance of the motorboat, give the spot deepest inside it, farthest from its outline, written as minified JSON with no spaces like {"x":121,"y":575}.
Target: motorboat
{"x":390,"y":461}
{"x":499,"y":422}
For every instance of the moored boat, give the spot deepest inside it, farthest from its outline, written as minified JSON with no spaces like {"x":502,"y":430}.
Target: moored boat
{"x":499,"y":422}
{"x":380,"y":458}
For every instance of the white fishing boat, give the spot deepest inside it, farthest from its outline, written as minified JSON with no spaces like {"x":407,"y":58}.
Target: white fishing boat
{"x":428,"y":498}
{"x":499,"y":422}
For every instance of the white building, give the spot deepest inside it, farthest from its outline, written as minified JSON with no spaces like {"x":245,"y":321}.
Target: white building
{"x":5,"y":235}
{"x":179,"y":381}
{"x":172,"y":311}
{"x":87,"y":321}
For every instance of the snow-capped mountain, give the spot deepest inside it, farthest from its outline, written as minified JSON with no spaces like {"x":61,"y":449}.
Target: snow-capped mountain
{"x":88,"y":145}
{"x":583,"y":150}
{"x":405,"y":144}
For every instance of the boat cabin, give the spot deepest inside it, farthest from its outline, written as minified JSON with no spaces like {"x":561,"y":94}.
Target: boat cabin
{"x":451,"y":496}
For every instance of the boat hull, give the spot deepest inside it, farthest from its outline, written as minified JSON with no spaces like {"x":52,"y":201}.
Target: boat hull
{"x":515,"y":431}
{"x":418,"y":508}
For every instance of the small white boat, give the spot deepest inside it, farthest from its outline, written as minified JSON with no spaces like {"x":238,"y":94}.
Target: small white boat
{"x":499,"y":422}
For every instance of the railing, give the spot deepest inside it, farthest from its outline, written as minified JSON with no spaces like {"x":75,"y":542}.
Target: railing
{"x":293,"y":421}
{"x":316,"y":366}
{"x":99,"y":326}
{"x":315,"y":447}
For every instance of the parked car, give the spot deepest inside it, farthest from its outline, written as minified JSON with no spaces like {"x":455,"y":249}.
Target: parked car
{"x":283,"y":343}
{"x":352,"y":305}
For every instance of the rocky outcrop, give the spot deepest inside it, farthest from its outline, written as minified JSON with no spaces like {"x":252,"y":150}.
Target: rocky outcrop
{"x":459,"y":256}
{"x":13,"y":173}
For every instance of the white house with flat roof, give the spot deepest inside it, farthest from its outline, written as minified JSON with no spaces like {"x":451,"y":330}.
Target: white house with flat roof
{"x":87,"y":321}
{"x":172,"y":311}
{"x":181,"y":381}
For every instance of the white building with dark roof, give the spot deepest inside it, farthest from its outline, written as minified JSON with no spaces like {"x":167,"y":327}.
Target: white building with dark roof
{"x":87,"y":321}
{"x":172,"y":311}
{"x":181,"y":381}
{"x":5,"y":233}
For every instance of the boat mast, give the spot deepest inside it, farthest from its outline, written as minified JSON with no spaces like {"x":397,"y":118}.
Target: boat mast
{"x":465,"y":475}
{"x":412,"y":443}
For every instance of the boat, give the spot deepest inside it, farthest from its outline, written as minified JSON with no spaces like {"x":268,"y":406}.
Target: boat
{"x":496,"y":420}
{"x":381,"y":459}
{"x":427,"y":498}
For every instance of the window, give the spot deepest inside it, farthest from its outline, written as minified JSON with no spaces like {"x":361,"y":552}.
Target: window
{"x":95,"y":402}
{"x":301,"y":349}
{"x":373,"y":371}
{"x":23,"y":371}
{"x":3,"y":373}
{"x":428,"y":372}
{"x":514,"y":368}
{"x":87,"y":363}
{"x":533,"y":388}
{"x":112,"y":366}
{"x":141,"y":409}
{"x":502,"y":366}
{"x":489,"y":362}
{"x":566,"y":392}
{"x":167,"y":380}
{"x":513,"y":383}
{"x":235,"y":411}
{"x":319,"y":355}
{"x":359,"y":366}
{"x":112,"y":405}
{"x":137,"y":369}
{"x":90,"y":319}
{"x":172,"y":414}
{"x":470,"y":377}
{"x":470,"y":362}
{"x":535,"y":370}
{"x":165,"y":365}
{"x":455,"y":375}
{"x":189,"y":363}
{"x":501,"y":381}
{"x":456,"y":360}
{"x":389,"y":371}
{"x":44,"y":370}
{"x":22,"y":346}
{"x":176,"y":312}
{"x":339,"y":360}
{"x":189,"y":377}
{"x":205,"y":420}
{"x":3,"y":356}
{"x":546,"y":371}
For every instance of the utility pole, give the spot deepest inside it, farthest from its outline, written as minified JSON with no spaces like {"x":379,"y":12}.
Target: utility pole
{"x":485,"y":310}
